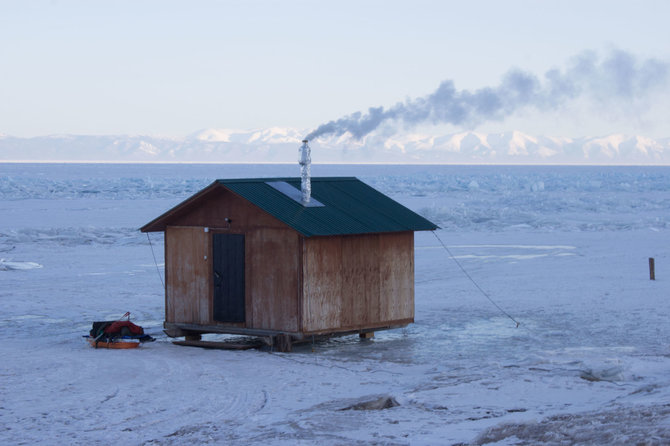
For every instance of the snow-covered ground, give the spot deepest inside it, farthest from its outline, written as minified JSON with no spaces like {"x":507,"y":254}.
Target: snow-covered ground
{"x":563,"y":250}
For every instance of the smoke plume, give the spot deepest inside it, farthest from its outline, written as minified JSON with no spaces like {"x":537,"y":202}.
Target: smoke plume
{"x":617,"y":77}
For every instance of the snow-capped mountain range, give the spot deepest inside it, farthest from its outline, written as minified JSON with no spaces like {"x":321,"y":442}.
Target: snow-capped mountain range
{"x":281,"y":145}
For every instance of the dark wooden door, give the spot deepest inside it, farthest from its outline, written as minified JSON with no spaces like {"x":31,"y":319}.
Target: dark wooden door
{"x":228,"y":260}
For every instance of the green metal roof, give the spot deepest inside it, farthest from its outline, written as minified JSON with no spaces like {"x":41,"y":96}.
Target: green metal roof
{"x":349,"y":206}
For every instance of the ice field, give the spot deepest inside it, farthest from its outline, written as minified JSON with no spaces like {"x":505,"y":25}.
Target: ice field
{"x":562,"y":250}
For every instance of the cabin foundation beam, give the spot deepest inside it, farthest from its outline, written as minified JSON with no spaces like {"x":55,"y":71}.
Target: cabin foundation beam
{"x":173,"y":331}
{"x":284,"y":343}
{"x":190,"y":336}
{"x":225,"y":329}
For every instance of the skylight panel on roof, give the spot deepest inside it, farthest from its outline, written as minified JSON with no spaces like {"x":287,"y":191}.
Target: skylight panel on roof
{"x":294,"y":193}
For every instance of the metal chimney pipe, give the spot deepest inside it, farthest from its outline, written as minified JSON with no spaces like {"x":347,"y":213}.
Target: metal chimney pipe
{"x":305,"y":162}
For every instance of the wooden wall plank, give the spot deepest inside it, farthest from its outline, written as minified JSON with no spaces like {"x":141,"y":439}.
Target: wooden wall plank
{"x":358,"y":281}
{"x":322,"y":302}
{"x":188,"y":275}
{"x":397,"y":276}
{"x":272,"y":278}
{"x":360,"y":284}
{"x":168,"y":317}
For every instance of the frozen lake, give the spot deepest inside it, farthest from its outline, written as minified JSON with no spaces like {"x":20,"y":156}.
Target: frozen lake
{"x":563,"y":250}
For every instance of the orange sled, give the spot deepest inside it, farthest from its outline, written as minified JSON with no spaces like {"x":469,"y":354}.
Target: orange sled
{"x":113,"y":344}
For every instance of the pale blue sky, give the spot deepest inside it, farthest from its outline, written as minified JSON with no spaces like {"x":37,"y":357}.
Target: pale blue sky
{"x":174,"y":67}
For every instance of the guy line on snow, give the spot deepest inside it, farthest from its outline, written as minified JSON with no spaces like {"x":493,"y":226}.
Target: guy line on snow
{"x":473,"y":280}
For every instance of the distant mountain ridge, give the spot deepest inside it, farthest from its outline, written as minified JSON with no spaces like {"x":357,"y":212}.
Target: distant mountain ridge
{"x":281,"y":145}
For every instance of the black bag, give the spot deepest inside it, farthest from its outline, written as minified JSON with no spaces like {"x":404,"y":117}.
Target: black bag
{"x":99,"y":328}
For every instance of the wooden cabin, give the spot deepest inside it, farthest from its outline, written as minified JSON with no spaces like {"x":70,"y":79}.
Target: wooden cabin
{"x":246,"y":256}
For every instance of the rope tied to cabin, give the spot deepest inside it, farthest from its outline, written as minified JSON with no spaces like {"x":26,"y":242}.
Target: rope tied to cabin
{"x":486,"y":295}
{"x":155,"y":262}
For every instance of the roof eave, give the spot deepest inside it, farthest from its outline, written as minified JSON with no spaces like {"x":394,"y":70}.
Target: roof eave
{"x":159,"y":224}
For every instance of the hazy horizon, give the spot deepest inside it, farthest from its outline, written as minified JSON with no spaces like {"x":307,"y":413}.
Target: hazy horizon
{"x":169,"y":68}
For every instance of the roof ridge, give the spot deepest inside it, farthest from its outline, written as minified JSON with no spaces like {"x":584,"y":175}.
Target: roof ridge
{"x":270,"y":179}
